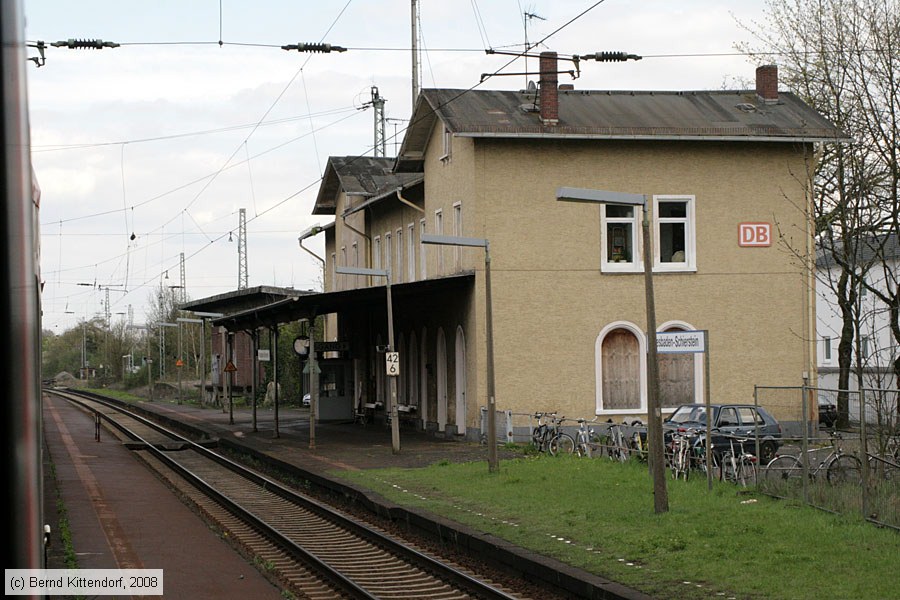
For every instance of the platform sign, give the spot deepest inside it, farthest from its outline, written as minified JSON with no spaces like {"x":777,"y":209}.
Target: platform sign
{"x":392,"y":362}
{"x":263,"y":355}
{"x":680,"y":342}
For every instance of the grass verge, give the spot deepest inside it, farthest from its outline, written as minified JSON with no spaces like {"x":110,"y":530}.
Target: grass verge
{"x":598,"y":515}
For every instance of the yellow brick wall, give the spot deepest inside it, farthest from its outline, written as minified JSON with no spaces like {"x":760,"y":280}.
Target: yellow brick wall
{"x":550,"y":299}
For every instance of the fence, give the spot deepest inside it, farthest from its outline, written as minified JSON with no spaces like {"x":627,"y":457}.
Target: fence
{"x":853,"y":467}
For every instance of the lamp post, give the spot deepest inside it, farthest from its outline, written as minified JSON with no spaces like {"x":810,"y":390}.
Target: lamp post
{"x":654,"y":415}
{"x":450,"y":240}
{"x":395,"y":419}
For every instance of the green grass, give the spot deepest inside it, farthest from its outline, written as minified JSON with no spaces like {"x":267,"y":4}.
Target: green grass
{"x":598,"y":515}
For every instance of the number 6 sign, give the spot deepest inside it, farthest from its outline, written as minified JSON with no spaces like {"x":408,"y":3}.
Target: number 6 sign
{"x":392,"y":362}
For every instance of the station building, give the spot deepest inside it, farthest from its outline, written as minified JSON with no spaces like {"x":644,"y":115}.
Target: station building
{"x":727,"y":179}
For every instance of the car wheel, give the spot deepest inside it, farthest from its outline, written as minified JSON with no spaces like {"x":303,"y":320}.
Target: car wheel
{"x":767,"y":451}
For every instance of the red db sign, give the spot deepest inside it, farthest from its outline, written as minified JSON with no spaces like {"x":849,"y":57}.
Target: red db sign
{"x":754,"y":235}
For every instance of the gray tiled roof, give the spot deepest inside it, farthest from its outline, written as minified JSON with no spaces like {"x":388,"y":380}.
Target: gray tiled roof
{"x":356,"y":176}
{"x":584,"y":114}
{"x":882,"y":247}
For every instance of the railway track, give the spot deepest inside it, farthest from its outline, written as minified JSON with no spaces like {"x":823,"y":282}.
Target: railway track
{"x":313,"y":550}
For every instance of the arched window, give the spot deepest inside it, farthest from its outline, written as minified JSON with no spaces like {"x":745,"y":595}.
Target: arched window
{"x":401,"y":380}
{"x":460,"y":371}
{"x":412,"y":368}
{"x":621,"y":363}
{"x":380,"y":376}
{"x":441,"y":375}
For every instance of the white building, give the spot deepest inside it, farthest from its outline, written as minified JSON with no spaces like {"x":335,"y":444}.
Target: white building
{"x":877,"y":346}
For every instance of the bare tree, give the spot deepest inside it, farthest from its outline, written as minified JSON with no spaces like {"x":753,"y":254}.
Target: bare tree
{"x":840,"y":56}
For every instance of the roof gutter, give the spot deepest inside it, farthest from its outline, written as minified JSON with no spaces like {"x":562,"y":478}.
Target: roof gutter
{"x":650,"y":137}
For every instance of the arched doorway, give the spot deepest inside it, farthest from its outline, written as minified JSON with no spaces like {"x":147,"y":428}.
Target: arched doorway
{"x":460,"y":371}
{"x":621,"y":364}
{"x":423,"y":377}
{"x":441,"y":375}
{"x":680,"y":381}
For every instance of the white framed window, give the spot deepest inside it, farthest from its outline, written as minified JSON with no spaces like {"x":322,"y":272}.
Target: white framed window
{"x":620,"y":250}
{"x":388,"y":255}
{"x":376,"y":252}
{"x":826,"y":343}
{"x":411,"y":252}
{"x":447,"y":145}
{"x":457,"y":231}
{"x":398,"y":272}
{"x":674,"y":241}
{"x":423,"y":263}
{"x":864,"y":346}
{"x":439,"y":230}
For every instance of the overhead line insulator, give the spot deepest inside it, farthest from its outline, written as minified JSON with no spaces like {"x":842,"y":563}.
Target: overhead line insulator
{"x":84,"y":44}
{"x":314,"y":47}
{"x":610,"y":56}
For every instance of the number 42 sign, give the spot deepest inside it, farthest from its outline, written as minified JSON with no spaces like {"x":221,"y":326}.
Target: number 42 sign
{"x":392,"y":362}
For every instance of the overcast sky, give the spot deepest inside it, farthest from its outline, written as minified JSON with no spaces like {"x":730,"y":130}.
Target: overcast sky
{"x":167,"y":136}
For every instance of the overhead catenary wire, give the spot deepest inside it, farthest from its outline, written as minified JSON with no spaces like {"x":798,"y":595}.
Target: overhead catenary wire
{"x":397,"y":134}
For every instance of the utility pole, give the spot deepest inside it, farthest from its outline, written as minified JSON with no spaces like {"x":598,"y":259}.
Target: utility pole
{"x":242,"y":249}
{"x":415,"y":53}
{"x":378,"y":105}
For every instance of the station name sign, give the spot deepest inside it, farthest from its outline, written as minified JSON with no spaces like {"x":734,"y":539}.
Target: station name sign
{"x":680,"y":342}
{"x":332,"y":346}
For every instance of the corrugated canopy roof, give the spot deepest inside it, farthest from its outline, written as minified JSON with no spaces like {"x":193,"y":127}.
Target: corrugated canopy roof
{"x":240,"y":300}
{"x":700,"y":115}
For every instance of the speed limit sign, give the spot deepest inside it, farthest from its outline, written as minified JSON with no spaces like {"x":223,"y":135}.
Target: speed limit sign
{"x":392,"y":363}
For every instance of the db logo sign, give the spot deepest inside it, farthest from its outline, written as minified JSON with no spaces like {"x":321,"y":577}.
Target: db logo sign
{"x":754,"y":235}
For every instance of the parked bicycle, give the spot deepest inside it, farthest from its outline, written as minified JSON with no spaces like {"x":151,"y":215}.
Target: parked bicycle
{"x":540,"y":435}
{"x":616,"y":445}
{"x":886,"y":465}
{"x":838,"y":466}
{"x":548,"y":435}
{"x":738,"y":465}
{"x":585,"y":439}
{"x":681,"y":452}
{"x":560,"y":441}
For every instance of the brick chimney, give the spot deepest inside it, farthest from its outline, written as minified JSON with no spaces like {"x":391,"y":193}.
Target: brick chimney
{"x":549,"y":91}
{"x":767,"y":83}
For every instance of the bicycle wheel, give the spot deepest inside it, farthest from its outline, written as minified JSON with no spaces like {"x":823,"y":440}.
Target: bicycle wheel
{"x":583,"y":448}
{"x":562,"y":443}
{"x":883,"y":469}
{"x":783,"y":468}
{"x":537,"y":438}
{"x":729,"y":467}
{"x":844,"y":468}
{"x":746,"y":474}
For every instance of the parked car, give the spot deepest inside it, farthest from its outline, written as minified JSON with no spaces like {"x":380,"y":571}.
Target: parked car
{"x":827,"y":413}
{"x":741,"y":420}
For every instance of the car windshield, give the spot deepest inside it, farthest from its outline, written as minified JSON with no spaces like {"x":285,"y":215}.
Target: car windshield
{"x":689,"y":414}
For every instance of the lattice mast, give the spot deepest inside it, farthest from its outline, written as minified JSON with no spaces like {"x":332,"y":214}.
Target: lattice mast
{"x":380,"y":140}
{"x":242,"y":249}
